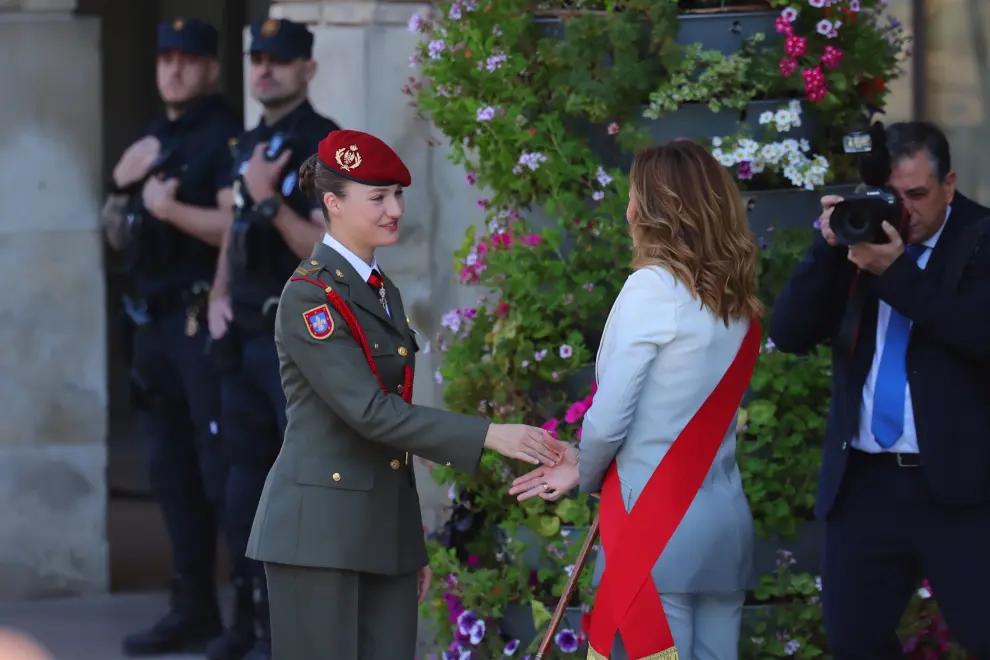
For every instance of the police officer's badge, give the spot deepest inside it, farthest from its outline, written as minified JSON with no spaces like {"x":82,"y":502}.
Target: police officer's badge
{"x":269,"y":28}
{"x":319,"y":323}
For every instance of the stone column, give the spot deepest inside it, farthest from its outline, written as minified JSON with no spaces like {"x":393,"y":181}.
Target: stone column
{"x":54,"y":363}
{"x":363,"y":50}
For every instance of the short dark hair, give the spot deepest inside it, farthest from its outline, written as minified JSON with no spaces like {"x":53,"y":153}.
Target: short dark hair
{"x":909,"y":138}
{"x":316,"y":180}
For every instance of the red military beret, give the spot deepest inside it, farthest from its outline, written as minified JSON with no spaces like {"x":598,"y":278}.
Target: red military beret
{"x":363,"y":158}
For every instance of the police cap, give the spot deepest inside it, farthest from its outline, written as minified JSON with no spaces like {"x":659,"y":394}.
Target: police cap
{"x":282,"y":39}
{"x":363,"y":158}
{"x":188,"y":35}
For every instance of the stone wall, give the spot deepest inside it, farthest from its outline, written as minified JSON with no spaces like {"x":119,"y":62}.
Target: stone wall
{"x":52,"y":321}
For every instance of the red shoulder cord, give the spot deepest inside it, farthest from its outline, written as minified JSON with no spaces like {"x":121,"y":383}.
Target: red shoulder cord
{"x":345,"y":311}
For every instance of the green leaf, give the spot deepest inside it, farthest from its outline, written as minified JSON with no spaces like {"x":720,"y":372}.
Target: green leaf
{"x":548,"y":526}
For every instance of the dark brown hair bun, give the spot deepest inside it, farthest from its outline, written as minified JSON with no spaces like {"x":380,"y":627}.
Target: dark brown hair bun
{"x":307,"y":176}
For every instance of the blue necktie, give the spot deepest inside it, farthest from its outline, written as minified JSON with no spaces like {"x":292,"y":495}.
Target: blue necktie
{"x":888,"y":397}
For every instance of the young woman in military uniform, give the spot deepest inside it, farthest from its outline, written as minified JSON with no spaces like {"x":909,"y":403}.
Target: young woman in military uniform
{"x":339,"y":525}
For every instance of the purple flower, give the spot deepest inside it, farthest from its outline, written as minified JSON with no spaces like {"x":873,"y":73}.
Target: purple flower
{"x":477,"y":632}
{"x":511,"y":648}
{"x":465,"y":622}
{"x":745,"y":171}
{"x":566,"y":640}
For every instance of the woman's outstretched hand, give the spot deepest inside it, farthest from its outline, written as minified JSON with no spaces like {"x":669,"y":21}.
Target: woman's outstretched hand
{"x":525,"y":443}
{"x":550,"y":483}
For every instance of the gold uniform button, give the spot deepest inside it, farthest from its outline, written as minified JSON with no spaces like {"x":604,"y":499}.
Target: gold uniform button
{"x":336,"y":476}
{"x":313,"y":262}
{"x":402,"y":351}
{"x":399,"y":389}
{"x":376,"y":347}
{"x":339,"y":273}
{"x":394,"y":464}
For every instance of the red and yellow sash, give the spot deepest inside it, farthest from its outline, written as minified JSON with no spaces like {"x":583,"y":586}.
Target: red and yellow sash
{"x":627,"y":601}
{"x":352,"y":324}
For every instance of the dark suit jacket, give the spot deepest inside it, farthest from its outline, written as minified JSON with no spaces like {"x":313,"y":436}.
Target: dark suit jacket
{"x":948,"y":357}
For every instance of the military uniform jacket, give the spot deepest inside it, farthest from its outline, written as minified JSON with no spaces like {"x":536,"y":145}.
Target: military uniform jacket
{"x":342,"y":493}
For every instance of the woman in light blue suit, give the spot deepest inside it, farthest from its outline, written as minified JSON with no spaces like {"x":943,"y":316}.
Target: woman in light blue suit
{"x":676,"y":327}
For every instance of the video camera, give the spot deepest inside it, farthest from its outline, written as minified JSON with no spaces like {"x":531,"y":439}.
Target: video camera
{"x":859,"y":218}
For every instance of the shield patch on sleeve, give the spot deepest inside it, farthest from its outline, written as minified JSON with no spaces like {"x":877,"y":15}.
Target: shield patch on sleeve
{"x":319,"y":323}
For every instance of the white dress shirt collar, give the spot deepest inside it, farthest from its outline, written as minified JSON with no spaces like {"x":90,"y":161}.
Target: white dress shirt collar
{"x":359,"y":264}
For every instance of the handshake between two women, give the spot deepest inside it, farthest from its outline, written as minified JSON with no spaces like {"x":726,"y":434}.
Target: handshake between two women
{"x":558,"y":461}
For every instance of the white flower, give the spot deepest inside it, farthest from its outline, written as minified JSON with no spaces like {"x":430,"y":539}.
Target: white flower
{"x":566,"y":351}
{"x":539,"y":355}
{"x":524,"y":364}
{"x":817,"y":4}
{"x":765,"y":118}
{"x":824,"y":26}
{"x":716,"y":142}
{"x":438,"y":377}
{"x":569,"y":569}
{"x":924,"y":593}
{"x":598,"y":195}
{"x":791,"y":647}
{"x":818,"y":583}
{"x":789,"y":14}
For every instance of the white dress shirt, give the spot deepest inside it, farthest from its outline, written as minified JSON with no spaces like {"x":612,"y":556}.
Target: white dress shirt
{"x":362,"y":267}
{"x":908,"y":442}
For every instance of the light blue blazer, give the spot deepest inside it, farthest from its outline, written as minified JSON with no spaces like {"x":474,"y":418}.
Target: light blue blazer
{"x":662,"y":354}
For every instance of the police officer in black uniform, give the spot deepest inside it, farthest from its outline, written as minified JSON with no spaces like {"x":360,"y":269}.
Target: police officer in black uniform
{"x":274,"y":226}
{"x":162,"y":213}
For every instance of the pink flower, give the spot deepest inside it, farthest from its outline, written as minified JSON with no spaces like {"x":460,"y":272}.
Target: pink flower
{"x":783,"y":26}
{"x":532,"y":239}
{"x":473,"y":560}
{"x":482,"y":203}
{"x":550,"y":426}
{"x":814,"y":84}
{"x":471,"y":177}
{"x":832,"y":57}
{"x":502,"y":309}
{"x":468,"y":275}
{"x":575,"y":412}
{"x":613,"y":128}
{"x":795,"y":46}
{"x":788,"y":66}
{"x":502,"y":239}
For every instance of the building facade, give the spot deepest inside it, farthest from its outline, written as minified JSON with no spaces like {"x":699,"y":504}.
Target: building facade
{"x":81,"y":84}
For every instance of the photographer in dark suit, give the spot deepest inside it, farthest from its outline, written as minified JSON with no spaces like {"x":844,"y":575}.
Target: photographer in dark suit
{"x":904,"y":489}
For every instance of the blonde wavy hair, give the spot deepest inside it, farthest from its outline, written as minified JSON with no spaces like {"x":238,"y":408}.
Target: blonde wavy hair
{"x":685,"y":215}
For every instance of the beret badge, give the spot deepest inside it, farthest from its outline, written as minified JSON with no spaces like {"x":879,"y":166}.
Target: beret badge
{"x":269,"y":28}
{"x":348,"y":159}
